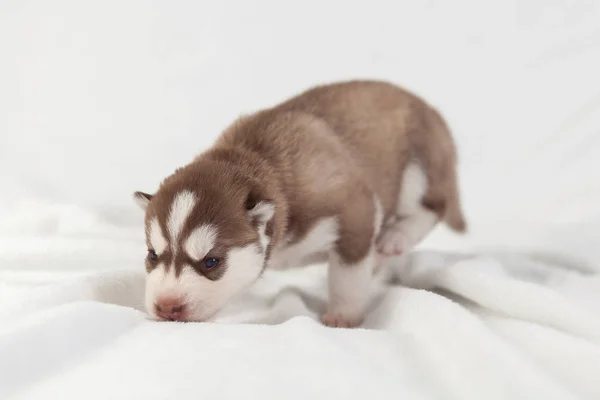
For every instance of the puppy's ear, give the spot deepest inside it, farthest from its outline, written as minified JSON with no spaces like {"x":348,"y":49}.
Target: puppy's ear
{"x":262,"y":212}
{"x":259,"y":209}
{"x":142,"y":199}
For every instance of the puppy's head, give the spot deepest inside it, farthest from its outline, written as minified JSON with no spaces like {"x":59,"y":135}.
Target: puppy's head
{"x":207,"y":233}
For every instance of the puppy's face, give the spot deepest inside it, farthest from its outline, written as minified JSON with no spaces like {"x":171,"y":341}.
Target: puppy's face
{"x":207,"y":241}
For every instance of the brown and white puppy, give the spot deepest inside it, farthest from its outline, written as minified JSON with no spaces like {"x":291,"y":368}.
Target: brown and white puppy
{"x":349,"y":173}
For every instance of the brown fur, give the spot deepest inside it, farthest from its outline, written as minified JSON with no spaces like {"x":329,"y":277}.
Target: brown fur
{"x":324,"y":152}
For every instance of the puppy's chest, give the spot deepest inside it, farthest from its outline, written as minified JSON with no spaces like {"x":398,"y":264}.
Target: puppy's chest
{"x":297,"y":250}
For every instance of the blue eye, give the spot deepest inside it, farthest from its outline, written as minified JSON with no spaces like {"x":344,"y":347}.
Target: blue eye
{"x":211,"y":262}
{"x":152,"y":254}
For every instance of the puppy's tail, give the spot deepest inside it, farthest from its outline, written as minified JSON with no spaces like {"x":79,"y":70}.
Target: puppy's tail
{"x":453,"y":215}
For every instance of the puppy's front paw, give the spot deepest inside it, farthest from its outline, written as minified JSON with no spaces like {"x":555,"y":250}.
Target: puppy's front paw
{"x":338,"y":320}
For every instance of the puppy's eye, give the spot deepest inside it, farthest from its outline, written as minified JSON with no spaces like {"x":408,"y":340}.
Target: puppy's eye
{"x":211,"y":262}
{"x":152,"y":255}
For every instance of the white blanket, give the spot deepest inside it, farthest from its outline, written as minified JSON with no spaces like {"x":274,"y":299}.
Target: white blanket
{"x":506,"y":327}
{"x":99,"y":99}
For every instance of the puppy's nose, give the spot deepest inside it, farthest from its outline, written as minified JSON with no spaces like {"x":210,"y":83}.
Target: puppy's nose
{"x":170,"y":308}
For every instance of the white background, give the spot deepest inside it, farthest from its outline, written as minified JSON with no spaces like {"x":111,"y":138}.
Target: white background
{"x":99,"y":99}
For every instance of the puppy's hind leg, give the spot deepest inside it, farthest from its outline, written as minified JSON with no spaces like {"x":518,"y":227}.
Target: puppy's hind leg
{"x":423,"y":202}
{"x":413,"y":220}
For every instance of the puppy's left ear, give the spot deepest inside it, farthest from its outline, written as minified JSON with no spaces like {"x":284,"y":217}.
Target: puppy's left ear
{"x":142,"y":199}
{"x":262,"y":212}
{"x":259,"y":210}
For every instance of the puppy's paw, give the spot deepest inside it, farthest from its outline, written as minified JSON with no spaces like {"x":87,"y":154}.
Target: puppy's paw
{"x":392,"y":242}
{"x":339,"y":320}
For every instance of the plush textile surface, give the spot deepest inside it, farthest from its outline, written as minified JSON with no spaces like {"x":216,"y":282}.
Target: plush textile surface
{"x":506,"y":327}
{"x":101,"y":99}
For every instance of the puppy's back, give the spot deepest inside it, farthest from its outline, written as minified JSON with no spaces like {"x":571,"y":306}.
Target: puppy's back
{"x":383,"y":127}
{"x":325,"y":138}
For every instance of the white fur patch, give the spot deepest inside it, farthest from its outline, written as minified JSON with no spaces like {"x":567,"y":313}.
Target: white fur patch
{"x":244,"y":265}
{"x":414,"y":187}
{"x":319,"y":239}
{"x":200,"y":241}
{"x":157,"y":239}
{"x":201,"y":296}
{"x":263,"y":211}
{"x":415,"y":221}
{"x":141,"y":200}
{"x":378,"y":219}
{"x":416,"y":226}
{"x":349,"y":287}
{"x":180,"y":210}
{"x":264,"y":239}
